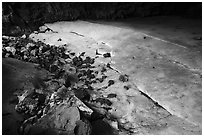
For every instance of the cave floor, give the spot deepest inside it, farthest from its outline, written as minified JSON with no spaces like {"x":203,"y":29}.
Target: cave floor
{"x":162,"y":58}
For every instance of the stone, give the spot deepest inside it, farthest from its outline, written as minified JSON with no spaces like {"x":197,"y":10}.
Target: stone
{"x":89,"y":60}
{"x":107,"y":55}
{"x":62,"y":119}
{"x":99,"y":79}
{"x":111,"y":95}
{"x":29,"y":45}
{"x":123,"y":78}
{"x":66,"y":117}
{"x":72,"y":53}
{"x":11,"y":49}
{"x":23,"y":49}
{"x":83,"y":127}
{"x":65,"y":56}
{"x":77,"y":61}
{"x":23,"y":36}
{"x":81,"y":106}
{"x":33,"y":52}
{"x":127,"y":87}
{"x":111,"y":82}
{"x":62,"y":91}
{"x":82,"y":54}
{"x":103,"y":69}
{"x":69,"y":69}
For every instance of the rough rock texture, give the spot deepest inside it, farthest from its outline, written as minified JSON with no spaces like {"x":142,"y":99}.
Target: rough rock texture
{"x":42,"y":102}
{"x":61,"y":120}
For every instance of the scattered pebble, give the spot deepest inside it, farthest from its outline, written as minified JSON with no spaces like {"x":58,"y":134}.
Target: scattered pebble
{"x":127,"y":87}
{"x":107,"y":55}
{"x":111,"y":95}
{"x":111,"y":82}
{"x":103,"y":69}
{"x":124,"y":78}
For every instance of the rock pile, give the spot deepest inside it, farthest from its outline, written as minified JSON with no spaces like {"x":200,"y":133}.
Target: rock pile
{"x":60,"y":104}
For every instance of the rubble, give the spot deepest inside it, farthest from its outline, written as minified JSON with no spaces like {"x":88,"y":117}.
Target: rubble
{"x":40,"y":102}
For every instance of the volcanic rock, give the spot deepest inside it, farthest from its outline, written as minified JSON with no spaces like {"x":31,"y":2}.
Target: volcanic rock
{"x":123,"y":78}
{"x":107,"y":55}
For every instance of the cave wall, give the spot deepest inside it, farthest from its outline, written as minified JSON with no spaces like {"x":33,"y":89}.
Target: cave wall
{"x":27,"y":16}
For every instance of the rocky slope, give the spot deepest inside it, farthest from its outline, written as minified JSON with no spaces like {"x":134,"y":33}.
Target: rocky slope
{"x":105,"y":80}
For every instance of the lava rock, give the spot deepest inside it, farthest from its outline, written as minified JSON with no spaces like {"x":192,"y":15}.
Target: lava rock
{"x":65,"y":56}
{"x":61,"y":92}
{"x":104,"y":77}
{"x":66,"y":118}
{"x":69,"y":69}
{"x":96,"y":72}
{"x":107,"y":55}
{"x":127,"y":87}
{"x":124,"y":78}
{"x":72,"y":53}
{"x":77,"y":61}
{"x":111,"y":95}
{"x":111,"y":82}
{"x":89,"y":60}
{"x":11,"y":49}
{"x":99,"y":79}
{"x":82,"y":54}
{"x":103,"y":69}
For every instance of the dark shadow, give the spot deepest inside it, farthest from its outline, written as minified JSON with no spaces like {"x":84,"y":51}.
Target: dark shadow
{"x":100,"y":127}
